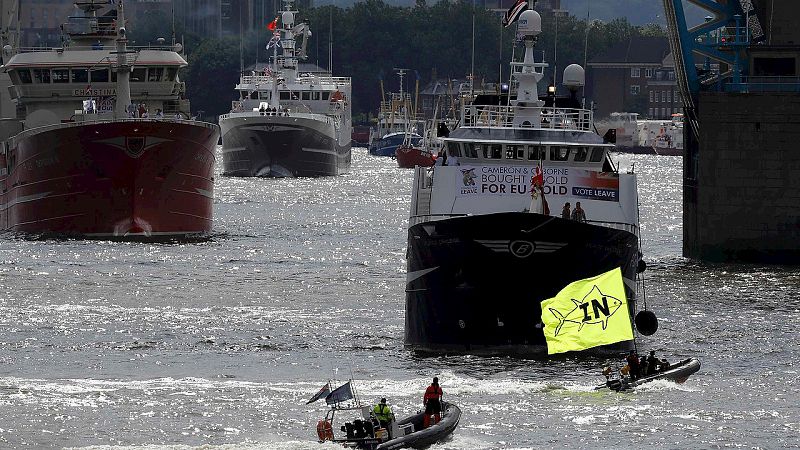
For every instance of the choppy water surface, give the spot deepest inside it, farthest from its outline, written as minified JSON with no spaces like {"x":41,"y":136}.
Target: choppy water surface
{"x":221,"y":342}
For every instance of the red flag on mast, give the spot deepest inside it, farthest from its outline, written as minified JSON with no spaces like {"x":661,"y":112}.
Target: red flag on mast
{"x":273,"y":25}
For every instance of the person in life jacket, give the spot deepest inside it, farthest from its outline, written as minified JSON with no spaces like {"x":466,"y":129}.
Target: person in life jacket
{"x":433,"y":403}
{"x":383,"y":413}
{"x":633,"y":364}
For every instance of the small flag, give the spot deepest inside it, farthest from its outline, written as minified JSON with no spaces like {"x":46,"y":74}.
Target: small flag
{"x":275,"y":41}
{"x":513,"y":13}
{"x":587,"y":313}
{"x":340,"y":394}
{"x":322,"y":393}
{"x":273,"y":25}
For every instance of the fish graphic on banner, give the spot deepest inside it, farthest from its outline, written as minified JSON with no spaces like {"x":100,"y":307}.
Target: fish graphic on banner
{"x":587,"y":313}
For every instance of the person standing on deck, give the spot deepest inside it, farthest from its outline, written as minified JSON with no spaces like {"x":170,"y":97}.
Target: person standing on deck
{"x":433,"y":403}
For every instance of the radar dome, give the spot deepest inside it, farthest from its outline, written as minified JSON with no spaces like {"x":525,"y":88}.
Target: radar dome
{"x":178,"y":47}
{"x":530,"y":23}
{"x":287,"y":18}
{"x":574,"y":76}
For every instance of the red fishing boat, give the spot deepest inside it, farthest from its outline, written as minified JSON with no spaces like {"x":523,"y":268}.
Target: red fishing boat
{"x":95,"y":160}
{"x":409,"y":156}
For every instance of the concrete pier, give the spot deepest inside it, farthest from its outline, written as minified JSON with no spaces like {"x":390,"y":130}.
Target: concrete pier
{"x":742,"y":172}
{"x":743,"y":204}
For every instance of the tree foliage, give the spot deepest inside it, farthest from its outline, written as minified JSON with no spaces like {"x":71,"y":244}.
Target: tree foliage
{"x":371,"y":38}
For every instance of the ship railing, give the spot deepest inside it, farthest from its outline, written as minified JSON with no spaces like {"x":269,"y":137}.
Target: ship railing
{"x":310,"y":79}
{"x":551,"y":118}
{"x":257,"y":79}
{"x":168,"y":48}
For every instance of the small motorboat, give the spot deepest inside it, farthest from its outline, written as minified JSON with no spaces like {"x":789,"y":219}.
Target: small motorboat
{"x":364,"y":432}
{"x":413,"y":435}
{"x":678,"y":373}
{"x":361,"y":429}
{"x":410,"y":156}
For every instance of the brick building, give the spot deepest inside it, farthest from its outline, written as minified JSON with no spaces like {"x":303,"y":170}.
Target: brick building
{"x":637,"y":75}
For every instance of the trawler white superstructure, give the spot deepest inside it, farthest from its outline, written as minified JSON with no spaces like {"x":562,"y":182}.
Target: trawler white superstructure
{"x":287,"y":123}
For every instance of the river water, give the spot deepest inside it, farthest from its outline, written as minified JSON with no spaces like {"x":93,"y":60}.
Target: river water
{"x":220,"y":343}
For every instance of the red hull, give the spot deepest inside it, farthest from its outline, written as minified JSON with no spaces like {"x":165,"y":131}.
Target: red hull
{"x":127,"y":178}
{"x":410,"y":157}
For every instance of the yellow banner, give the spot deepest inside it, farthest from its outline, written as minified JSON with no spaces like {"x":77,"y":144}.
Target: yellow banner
{"x":587,"y":313}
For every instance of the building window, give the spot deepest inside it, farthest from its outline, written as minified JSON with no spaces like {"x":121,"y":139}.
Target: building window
{"x":671,"y":76}
{"x":675,"y":96}
{"x":651,"y":97}
{"x":669,"y":96}
{"x":635,"y":72}
{"x":651,"y":113}
{"x":648,"y":73}
{"x":664,"y":96}
{"x":635,"y":89}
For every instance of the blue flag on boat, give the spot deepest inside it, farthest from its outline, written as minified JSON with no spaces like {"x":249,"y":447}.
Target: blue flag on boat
{"x":340,"y":394}
{"x":322,"y":393}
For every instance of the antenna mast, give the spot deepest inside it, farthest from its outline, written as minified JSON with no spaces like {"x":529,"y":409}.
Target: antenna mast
{"x":241,"y":41}
{"x":472,"y":67}
{"x":173,"y":25}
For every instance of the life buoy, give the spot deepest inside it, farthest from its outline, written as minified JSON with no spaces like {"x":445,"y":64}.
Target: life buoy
{"x":336,"y":96}
{"x":324,"y":431}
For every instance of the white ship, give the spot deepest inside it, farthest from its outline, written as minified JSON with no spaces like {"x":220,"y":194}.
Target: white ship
{"x":287,"y":123}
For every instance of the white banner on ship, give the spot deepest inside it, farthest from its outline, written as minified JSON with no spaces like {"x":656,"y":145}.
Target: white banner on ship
{"x":558,"y":182}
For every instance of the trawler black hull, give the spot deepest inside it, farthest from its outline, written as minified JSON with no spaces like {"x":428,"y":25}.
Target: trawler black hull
{"x":283,"y":146}
{"x":475,"y":283}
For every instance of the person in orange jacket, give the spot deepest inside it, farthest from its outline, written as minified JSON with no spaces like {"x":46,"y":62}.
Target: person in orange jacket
{"x":433,"y":403}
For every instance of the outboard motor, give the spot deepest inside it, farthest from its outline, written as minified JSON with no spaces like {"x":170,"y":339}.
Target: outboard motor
{"x":369,"y":429}
{"x":358,"y":429}
{"x":349,"y":431}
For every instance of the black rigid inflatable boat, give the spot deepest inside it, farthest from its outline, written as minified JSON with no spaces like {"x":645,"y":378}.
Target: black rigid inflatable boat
{"x":418,"y":437}
{"x":677,"y":372}
{"x":364,"y":433}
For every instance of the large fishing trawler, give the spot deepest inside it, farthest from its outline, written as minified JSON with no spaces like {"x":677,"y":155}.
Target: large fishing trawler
{"x":287,"y":123}
{"x":482,"y":255}
{"x":102,"y":144}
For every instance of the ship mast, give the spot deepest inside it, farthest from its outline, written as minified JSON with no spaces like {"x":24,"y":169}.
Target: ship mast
{"x":528,"y":73}
{"x":122,"y":67}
